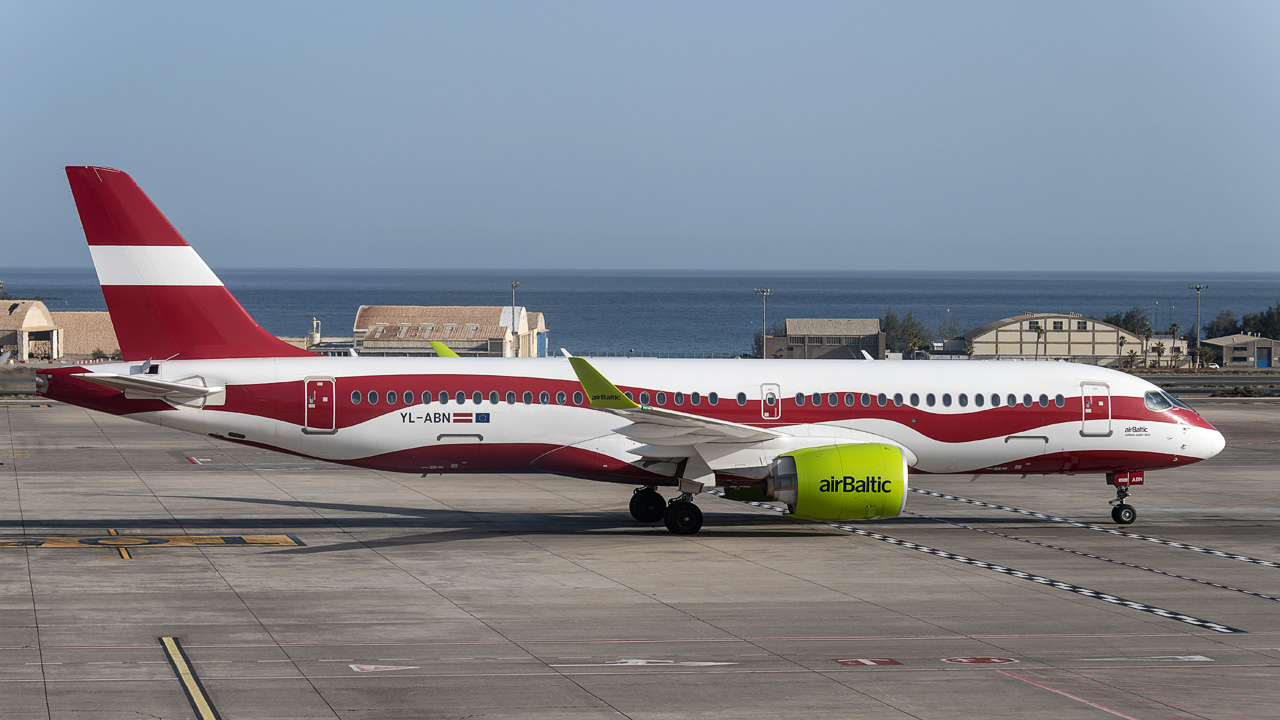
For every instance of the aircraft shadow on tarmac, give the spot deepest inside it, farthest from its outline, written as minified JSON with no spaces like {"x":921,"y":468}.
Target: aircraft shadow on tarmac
{"x":458,"y":525}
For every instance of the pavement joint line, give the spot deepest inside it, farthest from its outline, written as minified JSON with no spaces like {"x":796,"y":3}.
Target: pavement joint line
{"x":1092,"y":556}
{"x":1100,"y":528}
{"x":1012,"y":572}
{"x":189,"y":680}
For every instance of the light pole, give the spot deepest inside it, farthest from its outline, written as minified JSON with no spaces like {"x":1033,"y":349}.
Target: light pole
{"x":515,"y":326}
{"x":764,"y":320}
{"x":1197,"y":288}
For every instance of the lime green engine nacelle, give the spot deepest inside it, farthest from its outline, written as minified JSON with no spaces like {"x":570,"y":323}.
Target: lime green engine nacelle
{"x":864,"y":481}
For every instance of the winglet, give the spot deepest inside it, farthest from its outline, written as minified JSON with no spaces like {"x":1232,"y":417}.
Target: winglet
{"x":442,"y":350}
{"x":603,"y":394}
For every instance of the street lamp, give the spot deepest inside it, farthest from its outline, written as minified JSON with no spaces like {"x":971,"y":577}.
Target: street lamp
{"x":764,"y":294}
{"x":1197,"y":288}
{"x":515,"y":327}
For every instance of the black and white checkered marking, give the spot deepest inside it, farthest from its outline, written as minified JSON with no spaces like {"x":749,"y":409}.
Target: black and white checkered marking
{"x":1091,"y":556}
{"x":1101,"y":528}
{"x":1020,"y":574}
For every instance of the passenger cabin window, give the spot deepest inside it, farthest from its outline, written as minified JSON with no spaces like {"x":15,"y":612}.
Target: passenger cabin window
{"x":391,"y":397}
{"x":817,"y":399}
{"x":1026,"y":400}
{"x":644,"y":398}
{"x":527,"y":398}
{"x":426,"y":396}
{"x":662,"y":398}
{"x":866,"y":399}
{"x":408,"y":397}
{"x":477,"y":397}
{"x":1059,"y":400}
{"x":444,"y":398}
{"x":1013,"y":399}
{"x":355,"y":397}
{"x":695,"y":399}
{"x":511,"y":398}
{"x":930,"y":400}
{"x":915,"y":399}
{"x":679,"y":398}
{"x":561,"y":397}
{"x":882,"y":400}
{"x":833,"y":400}
{"x":373,"y":397}
{"x":848,"y":399}
{"x":577,"y":398}
{"x":979,"y":400}
{"x":544,"y":397}
{"x":1044,"y":400}
{"x":799,"y":399}
{"x":964,"y":400}
{"x":995,"y":400}
{"x":897,"y":399}
{"x":713,"y":399}
{"x":946,"y":399}
{"x":493,"y":397}
{"x":742,"y":398}
{"x":460,"y":397}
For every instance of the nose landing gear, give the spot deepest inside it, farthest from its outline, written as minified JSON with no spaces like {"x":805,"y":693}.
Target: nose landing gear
{"x":1121,"y":512}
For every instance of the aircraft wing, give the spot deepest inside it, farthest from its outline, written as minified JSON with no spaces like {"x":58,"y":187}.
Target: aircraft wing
{"x":149,"y":386}
{"x":658,"y":426}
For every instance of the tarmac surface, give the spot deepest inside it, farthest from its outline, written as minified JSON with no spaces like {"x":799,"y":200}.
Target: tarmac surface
{"x":148,"y":573}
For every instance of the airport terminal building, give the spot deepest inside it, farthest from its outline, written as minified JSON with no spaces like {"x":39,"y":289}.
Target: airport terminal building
{"x":1056,"y":336}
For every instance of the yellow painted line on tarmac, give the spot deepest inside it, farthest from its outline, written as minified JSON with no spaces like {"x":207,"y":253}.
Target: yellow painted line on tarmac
{"x":123,"y":551}
{"x":115,"y":541}
{"x":191,"y":684}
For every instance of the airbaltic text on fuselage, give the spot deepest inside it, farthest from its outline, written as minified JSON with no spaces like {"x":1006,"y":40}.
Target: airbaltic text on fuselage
{"x":849,"y":484}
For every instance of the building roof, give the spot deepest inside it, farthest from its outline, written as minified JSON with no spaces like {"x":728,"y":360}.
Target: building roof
{"x":28,"y":315}
{"x":997,"y":324}
{"x":833,"y":326}
{"x":84,"y":332}
{"x":421,"y":323}
{"x":1238,"y":339}
{"x":537,"y":321}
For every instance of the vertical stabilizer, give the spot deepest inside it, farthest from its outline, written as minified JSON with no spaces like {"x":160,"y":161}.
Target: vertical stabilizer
{"x":164,"y":301}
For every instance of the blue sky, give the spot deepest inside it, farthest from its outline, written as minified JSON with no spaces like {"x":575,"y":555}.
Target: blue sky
{"x":718,"y":135}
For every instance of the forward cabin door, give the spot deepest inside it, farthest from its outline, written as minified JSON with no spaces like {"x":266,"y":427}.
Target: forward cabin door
{"x":1096,"y":398}
{"x":770,"y":402}
{"x":319,"y":406}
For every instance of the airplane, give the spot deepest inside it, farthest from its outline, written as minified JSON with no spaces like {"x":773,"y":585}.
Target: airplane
{"x":833,"y":440}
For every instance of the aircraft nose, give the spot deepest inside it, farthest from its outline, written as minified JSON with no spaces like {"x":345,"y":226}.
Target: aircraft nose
{"x":1216,"y":443}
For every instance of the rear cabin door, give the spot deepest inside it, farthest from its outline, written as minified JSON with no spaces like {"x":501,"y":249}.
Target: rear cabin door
{"x":770,"y":402}
{"x":1097,"y":409}
{"x":319,"y":409}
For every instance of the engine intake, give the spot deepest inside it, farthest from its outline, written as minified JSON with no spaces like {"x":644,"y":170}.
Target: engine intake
{"x":864,"y":481}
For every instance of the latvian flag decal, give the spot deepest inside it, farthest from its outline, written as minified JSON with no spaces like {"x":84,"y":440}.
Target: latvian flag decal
{"x":471,"y":417}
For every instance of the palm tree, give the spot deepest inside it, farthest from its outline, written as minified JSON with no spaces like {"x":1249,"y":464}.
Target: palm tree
{"x":1159,"y":348}
{"x":1175,"y":357}
{"x":1206,"y":355}
{"x":1146,"y":344}
{"x":1039,"y":336}
{"x":1132,"y":359}
{"x":969,"y":349}
{"x":1120,"y":344}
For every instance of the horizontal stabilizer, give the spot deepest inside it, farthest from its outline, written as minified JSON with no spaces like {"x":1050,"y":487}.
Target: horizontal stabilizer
{"x":149,"y":386}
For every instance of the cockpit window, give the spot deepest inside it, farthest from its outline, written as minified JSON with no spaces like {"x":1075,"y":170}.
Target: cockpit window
{"x":1177,"y":402}
{"x":1157,"y":401}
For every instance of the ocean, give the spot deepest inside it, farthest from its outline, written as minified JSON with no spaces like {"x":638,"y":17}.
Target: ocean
{"x":693,"y":314}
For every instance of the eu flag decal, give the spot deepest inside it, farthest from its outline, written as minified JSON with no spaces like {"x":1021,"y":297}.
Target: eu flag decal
{"x":482,"y":417}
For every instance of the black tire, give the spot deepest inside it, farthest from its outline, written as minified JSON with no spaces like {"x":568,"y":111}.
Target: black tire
{"x":1124,"y":514}
{"x":647,"y":506}
{"x":683,"y":518}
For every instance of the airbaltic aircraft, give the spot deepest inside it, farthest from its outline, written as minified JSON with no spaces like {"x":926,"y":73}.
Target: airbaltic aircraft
{"x":832,"y":439}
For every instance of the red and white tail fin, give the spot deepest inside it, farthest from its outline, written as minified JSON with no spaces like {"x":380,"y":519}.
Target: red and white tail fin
{"x":164,"y":300}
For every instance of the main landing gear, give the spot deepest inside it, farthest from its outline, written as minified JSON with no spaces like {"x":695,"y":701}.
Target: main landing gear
{"x":680,"y":516}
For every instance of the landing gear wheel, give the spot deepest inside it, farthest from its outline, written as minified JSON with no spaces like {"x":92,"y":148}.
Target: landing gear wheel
{"x":683,"y":518}
{"x":647,"y":505}
{"x":1124,"y":514}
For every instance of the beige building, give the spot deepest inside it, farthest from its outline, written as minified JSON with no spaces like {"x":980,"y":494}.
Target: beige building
{"x":1244,"y":350}
{"x":476,"y":331}
{"x":832,"y":338}
{"x":28,"y":331}
{"x":1056,"y":336}
{"x":84,"y":333}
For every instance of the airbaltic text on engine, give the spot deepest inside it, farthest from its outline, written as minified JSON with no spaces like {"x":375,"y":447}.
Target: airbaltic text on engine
{"x":850,"y":484}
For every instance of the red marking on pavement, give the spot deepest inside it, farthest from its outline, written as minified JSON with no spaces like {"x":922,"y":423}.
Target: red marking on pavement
{"x":865,"y":661}
{"x":1068,"y":695}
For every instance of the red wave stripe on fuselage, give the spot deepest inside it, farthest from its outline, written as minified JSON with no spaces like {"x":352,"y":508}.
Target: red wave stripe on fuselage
{"x":284,"y":402}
